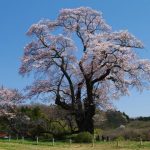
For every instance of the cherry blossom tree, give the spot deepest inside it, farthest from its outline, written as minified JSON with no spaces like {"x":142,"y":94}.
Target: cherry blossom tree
{"x":8,"y":99}
{"x":84,"y":67}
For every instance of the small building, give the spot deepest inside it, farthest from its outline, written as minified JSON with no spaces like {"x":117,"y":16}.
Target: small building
{"x":3,"y":135}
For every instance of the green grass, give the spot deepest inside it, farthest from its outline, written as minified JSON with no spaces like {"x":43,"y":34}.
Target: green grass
{"x":31,"y":145}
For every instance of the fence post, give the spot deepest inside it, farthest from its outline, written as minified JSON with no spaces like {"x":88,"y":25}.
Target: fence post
{"x":70,"y":142}
{"x":93,"y":140}
{"x":117,"y":143}
{"x":53,"y":142}
{"x":9,"y":138}
{"x":141,"y":142}
{"x":37,"y":140}
{"x":17,"y":137}
{"x":22,"y":139}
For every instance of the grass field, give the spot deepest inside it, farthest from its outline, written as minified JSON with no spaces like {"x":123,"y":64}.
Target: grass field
{"x":29,"y":145}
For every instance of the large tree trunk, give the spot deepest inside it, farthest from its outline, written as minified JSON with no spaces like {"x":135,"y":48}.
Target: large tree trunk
{"x":84,"y":116}
{"x":85,"y":120}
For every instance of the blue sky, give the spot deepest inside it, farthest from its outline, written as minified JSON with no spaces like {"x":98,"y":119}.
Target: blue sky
{"x":16,"y":17}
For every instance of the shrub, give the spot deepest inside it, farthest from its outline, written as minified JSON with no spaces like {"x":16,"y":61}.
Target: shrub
{"x":129,"y":134}
{"x":46,"y":137}
{"x":120,"y":138}
{"x":97,"y":133}
{"x":83,"y":137}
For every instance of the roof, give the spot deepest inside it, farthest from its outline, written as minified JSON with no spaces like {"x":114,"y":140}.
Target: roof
{"x":3,"y":134}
